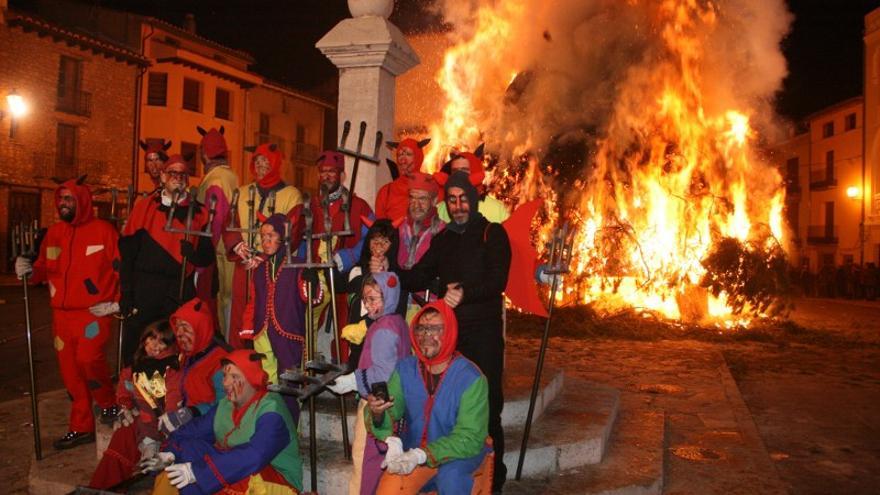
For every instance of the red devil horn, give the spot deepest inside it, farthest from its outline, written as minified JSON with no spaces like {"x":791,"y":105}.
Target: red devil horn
{"x":397,"y":223}
{"x":392,"y":144}
{"x":366,"y":221}
{"x":424,"y":142}
{"x":201,"y":131}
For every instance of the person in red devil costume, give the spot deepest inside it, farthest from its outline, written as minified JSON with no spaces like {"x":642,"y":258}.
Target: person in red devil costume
{"x":392,"y":199}
{"x":78,"y":259}
{"x":155,"y":157}
{"x":346,"y":251}
{"x":151,"y":257}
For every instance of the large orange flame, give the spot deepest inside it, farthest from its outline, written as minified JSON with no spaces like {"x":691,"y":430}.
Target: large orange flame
{"x":671,"y":176}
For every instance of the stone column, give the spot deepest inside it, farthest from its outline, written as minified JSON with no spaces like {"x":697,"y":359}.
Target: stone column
{"x":370,"y":53}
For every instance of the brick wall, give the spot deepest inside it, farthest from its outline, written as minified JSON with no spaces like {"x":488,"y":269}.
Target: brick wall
{"x":29,"y":63}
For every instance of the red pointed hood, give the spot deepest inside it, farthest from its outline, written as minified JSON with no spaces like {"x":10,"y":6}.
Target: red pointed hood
{"x":418,"y":154}
{"x":270,"y":151}
{"x":249,"y":362}
{"x":197,"y":313}
{"x":83,"y":195}
{"x":450,"y":333}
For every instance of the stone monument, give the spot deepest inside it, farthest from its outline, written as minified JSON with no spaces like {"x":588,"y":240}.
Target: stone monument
{"x":370,"y":53}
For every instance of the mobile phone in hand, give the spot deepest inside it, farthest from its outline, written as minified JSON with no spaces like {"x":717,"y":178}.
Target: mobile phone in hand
{"x":379,"y":390}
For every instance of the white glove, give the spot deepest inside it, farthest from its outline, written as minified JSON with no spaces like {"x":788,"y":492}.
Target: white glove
{"x":337,"y":260}
{"x":124,"y":418}
{"x":344,"y":384}
{"x":149,"y":448}
{"x":181,"y":475}
{"x":104,"y":309}
{"x":395,"y":450}
{"x":243,"y":250}
{"x":407,"y":462}
{"x":23,"y":266}
{"x":156,"y":463}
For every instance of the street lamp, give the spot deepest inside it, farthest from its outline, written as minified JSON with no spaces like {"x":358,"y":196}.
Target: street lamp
{"x":17,"y":108}
{"x":852,"y":192}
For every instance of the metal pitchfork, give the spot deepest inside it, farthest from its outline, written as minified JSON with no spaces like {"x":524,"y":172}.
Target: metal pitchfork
{"x":251,"y":229}
{"x":24,"y":243}
{"x":560,"y":259}
{"x":358,"y":155}
{"x":188,"y":230}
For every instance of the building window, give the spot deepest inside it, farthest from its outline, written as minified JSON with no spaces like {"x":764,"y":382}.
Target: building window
{"x":792,"y":173}
{"x":65,"y":152}
{"x":70,"y":97}
{"x":192,"y":95}
{"x":299,"y":177}
{"x":828,"y":129}
{"x":829,"y":165}
{"x":849,"y":122}
{"x":189,"y":152}
{"x":157,"y":89}
{"x":221,"y":104}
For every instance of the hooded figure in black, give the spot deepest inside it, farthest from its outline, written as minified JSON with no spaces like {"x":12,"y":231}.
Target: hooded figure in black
{"x":471,"y":257}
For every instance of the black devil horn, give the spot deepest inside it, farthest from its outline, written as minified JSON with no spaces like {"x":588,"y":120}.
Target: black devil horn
{"x":166,"y":146}
{"x":201,"y":131}
{"x":479,"y":151}
{"x":392,"y":144}
{"x":143,"y":145}
{"x":424,"y":142}
{"x":81,"y":179}
{"x":222,"y":130}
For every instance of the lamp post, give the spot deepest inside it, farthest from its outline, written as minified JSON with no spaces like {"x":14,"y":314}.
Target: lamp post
{"x":17,"y":108}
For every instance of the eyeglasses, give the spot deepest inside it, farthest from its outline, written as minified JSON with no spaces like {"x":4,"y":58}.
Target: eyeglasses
{"x":176,"y":175}
{"x":430,"y":330}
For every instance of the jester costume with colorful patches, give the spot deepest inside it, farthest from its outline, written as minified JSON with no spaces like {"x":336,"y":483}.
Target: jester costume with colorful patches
{"x":275,"y":314}
{"x":250,"y":449}
{"x":445,"y":415}
{"x":79,"y":261}
{"x":218,"y":184}
{"x":286,"y":198}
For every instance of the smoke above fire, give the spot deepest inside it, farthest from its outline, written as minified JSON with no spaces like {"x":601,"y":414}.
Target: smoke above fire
{"x":671,"y":99}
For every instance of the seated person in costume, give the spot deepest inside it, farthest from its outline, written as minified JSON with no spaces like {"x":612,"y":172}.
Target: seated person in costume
{"x":274,"y":317}
{"x":386,"y":343}
{"x":247,"y":443}
{"x":442,"y":397}
{"x":145,"y":391}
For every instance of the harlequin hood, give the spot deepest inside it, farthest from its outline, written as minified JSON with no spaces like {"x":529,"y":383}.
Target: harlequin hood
{"x":389,"y":285}
{"x":270,"y":151}
{"x":213,"y":143}
{"x":83,"y":196}
{"x":198,"y":315}
{"x":249,"y":362}
{"x":450,"y":333}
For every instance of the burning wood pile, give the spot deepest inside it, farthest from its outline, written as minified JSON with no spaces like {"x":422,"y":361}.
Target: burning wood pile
{"x":678,"y":213}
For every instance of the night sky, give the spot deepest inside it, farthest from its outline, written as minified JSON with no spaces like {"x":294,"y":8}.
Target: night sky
{"x":823,"y":48}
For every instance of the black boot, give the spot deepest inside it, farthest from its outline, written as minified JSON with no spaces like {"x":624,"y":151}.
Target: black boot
{"x":109,"y":414}
{"x":74,"y":438}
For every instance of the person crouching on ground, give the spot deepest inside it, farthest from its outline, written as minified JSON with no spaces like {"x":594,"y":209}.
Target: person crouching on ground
{"x":245,"y":444}
{"x":443,"y":399}
{"x":145,"y":391}
{"x":386,"y":343}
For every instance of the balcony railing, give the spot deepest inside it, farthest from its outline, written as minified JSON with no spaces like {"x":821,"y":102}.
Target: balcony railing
{"x":821,"y":179}
{"x":76,"y":103}
{"x":822,"y":234}
{"x":46,"y":165}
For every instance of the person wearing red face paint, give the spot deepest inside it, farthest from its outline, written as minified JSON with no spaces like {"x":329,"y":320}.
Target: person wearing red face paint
{"x":155,"y":157}
{"x":79,"y":259}
{"x":442,"y":398}
{"x":472,"y":164}
{"x":266,"y":170}
{"x":217,"y":185}
{"x":345,"y":250}
{"x":151,"y":256}
{"x":392,"y":199}
{"x":247,"y":443}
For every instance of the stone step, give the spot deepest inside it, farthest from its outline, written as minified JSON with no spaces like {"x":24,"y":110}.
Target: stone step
{"x":573,"y":432}
{"x":517,"y":388}
{"x":633,"y":465}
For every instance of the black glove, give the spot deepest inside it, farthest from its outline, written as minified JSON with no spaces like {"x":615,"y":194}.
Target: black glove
{"x":311,"y":275}
{"x":187,"y":249}
{"x":126,"y":304}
